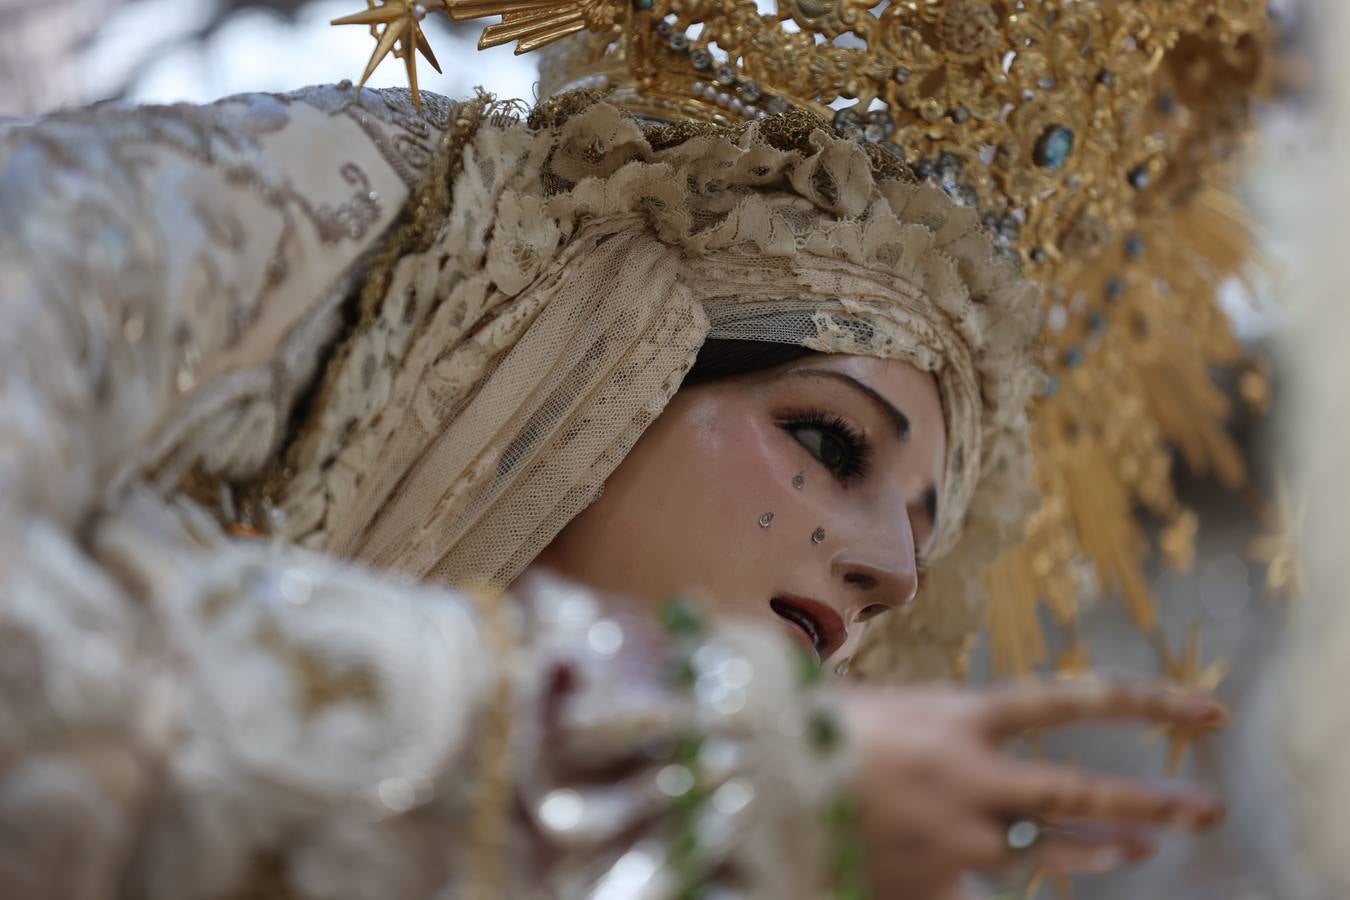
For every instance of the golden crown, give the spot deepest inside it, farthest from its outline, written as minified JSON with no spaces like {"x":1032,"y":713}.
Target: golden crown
{"x":1065,"y":120}
{"x":1094,"y":136}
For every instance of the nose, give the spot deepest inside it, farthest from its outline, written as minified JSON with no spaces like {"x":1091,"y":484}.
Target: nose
{"x":872,"y":586}
{"x":878,"y":572}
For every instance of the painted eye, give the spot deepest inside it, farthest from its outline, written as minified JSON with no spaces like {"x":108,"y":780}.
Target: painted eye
{"x":831,"y":440}
{"x":832,"y":451}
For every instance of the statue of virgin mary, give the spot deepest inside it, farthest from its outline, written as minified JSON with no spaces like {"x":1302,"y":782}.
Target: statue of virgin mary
{"x":403,"y":497}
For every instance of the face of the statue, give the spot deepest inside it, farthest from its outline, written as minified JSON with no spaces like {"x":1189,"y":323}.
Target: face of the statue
{"x":806,"y":492}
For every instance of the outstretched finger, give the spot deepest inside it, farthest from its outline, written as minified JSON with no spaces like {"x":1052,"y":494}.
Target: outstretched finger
{"x":1043,"y":790}
{"x":1091,"y":849}
{"x":1018,"y":708}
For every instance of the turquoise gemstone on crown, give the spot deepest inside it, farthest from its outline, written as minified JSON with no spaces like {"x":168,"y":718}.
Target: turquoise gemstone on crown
{"x":1054,"y":147}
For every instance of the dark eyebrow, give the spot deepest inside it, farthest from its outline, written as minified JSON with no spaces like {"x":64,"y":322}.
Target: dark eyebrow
{"x":897,"y":418}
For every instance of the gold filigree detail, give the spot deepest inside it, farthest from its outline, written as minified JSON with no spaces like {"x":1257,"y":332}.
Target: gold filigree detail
{"x":1130,"y":344}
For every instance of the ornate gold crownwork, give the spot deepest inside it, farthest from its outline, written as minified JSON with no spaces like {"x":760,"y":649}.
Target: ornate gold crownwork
{"x":1096,"y":139}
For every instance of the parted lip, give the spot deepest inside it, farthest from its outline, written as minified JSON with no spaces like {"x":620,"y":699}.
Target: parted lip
{"x":822,"y":627}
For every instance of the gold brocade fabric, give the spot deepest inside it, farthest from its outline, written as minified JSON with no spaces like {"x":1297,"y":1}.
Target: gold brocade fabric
{"x":582,"y":261}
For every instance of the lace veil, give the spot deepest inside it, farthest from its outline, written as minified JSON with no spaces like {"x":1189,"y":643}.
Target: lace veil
{"x":568,"y":266}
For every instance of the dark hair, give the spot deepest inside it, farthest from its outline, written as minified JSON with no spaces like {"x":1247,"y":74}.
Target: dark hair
{"x":720,"y":358}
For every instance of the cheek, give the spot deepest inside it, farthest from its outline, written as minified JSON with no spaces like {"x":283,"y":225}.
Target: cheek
{"x":725,"y":465}
{"x":733,"y":471}
{"x":681,"y":512}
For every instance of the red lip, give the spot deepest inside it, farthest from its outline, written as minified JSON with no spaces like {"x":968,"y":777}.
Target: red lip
{"x":822,"y":627}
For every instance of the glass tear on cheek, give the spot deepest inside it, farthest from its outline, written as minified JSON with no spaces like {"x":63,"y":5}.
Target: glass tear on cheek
{"x":766,"y":520}
{"x":799,"y":480}
{"x":841,"y":668}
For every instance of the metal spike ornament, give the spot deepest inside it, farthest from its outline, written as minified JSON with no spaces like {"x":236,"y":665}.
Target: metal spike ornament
{"x":1188,"y":670}
{"x":396,"y":26}
{"x":536,"y":23}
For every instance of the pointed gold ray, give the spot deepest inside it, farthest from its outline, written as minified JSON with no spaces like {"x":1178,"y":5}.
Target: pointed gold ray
{"x":477,"y":9}
{"x":539,"y":40}
{"x":380,"y":15}
{"x":410,"y":63}
{"x":1188,"y":670}
{"x":518,"y":23}
{"x":424,"y":46}
{"x":397,"y":29}
{"x":383,"y":48}
{"x":532,"y":23}
{"x":529,"y":27}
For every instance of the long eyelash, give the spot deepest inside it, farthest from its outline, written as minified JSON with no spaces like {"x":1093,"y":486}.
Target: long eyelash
{"x":859,"y":451}
{"x":859,"y":456}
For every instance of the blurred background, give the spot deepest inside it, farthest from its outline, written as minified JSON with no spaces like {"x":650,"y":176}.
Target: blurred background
{"x":61,"y":53}
{"x":57,"y":53}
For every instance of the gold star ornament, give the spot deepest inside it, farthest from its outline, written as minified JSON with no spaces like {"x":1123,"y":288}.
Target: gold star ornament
{"x":1188,"y":670}
{"x":396,"y":26}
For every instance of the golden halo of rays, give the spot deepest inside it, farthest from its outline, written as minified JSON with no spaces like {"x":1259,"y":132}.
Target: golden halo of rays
{"x":396,"y":26}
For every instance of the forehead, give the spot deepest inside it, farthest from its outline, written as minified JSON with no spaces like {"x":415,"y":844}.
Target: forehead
{"x":894,"y":379}
{"x":912,"y":390}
